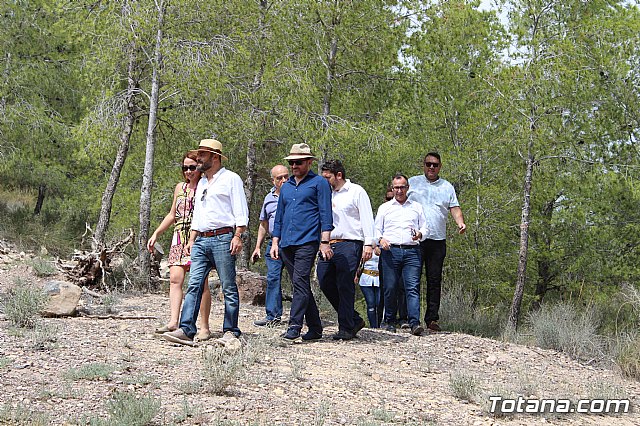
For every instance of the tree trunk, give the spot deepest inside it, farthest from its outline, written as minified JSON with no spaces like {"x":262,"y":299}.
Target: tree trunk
{"x":147,"y":177}
{"x":121,"y":156}
{"x":524,"y":242}
{"x":545,"y":276}
{"x":328,"y":93}
{"x":41,"y":191}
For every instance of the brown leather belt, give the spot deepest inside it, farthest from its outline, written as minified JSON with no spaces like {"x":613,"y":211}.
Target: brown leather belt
{"x":216,"y":232}
{"x":371,"y":272}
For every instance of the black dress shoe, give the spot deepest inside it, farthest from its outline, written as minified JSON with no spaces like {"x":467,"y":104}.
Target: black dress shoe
{"x":312,"y":335}
{"x":417,"y":330}
{"x":342,"y":335}
{"x":358,"y":327}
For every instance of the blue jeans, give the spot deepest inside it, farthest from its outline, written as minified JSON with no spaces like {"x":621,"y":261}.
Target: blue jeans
{"x":402,"y":264}
{"x":207,"y":253}
{"x":372,"y":298}
{"x":273,"y":300}
{"x":336,"y":281}
{"x":299,"y":260}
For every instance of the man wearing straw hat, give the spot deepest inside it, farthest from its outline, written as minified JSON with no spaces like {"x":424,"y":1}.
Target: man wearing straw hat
{"x":303,"y":224}
{"x":220,"y":216}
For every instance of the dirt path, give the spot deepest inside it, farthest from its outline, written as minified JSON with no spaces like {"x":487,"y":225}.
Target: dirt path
{"x":378,"y":378}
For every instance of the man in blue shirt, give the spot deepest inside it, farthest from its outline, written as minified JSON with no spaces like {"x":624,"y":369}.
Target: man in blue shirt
{"x":303,"y":224}
{"x":273,"y":299}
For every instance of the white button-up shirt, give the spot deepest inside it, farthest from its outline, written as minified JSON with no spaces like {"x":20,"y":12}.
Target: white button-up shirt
{"x":436,"y":199}
{"x":352,"y":214}
{"x":395,"y":221}
{"x":224,"y":203}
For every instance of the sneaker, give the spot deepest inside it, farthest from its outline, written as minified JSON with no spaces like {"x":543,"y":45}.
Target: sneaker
{"x":417,"y":330}
{"x":358,"y":327}
{"x":342,"y":335}
{"x":388,"y":327}
{"x":203,"y":335}
{"x":226,"y":338}
{"x":312,"y":335}
{"x":433,"y":326}
{"x":179,"y":337}
{"x":405,"y":326}
{"x":268,"y":322}
{"x":291,"y":335}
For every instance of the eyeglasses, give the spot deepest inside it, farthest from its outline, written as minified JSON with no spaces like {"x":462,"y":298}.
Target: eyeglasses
{"x":400,"y":188}
{"x":204,"y":194}
{"x":295,"y":162}
{"x":429,"y":164}
{"x":191,"y":167}
{"x":283,"y":177}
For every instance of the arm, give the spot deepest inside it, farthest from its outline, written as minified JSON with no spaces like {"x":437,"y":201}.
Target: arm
{"x":168,"y":220}
{"x":262,"y":233}
{"x":366,"y":221}
{"x":456,"y":212}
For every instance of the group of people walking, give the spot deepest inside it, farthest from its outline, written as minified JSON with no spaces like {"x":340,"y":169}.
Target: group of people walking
{"x":303,"y":217}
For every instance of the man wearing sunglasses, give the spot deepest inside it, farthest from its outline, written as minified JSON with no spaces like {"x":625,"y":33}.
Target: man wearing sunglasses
{"x":438,"y":198}
{"x":220,"y":216}
{"x":303,"y":225}
{"x":273,"y":299}
{"x":352,"y":241}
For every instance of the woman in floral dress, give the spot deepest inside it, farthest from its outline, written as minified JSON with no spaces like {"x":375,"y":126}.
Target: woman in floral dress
{"x":180,"y":216}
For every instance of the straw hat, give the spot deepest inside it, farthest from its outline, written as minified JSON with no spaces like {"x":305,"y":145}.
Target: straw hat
{"x":300,"y":151}
{"x":210,"y":145}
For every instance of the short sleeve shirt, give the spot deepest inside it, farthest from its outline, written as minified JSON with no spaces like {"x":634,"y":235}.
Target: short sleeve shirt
{"x":436,"y":198}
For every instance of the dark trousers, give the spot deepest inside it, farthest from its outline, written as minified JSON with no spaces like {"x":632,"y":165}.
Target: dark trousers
{"x":299,"y":260}
{"x":336,"y":277}
{"x":433,"y":254}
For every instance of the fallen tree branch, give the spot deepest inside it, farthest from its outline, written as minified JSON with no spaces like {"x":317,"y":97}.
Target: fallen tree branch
{"x":131,"y":317}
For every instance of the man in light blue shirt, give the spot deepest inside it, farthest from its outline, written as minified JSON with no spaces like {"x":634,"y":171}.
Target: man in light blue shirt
{"x":438,"y":198}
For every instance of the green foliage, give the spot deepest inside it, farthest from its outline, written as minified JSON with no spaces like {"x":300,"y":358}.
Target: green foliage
{"x":561,"y":327}
{"x":221,"y":368}
{"x":22,"y":304}
{"x":126,"y":408}
{"x":459,"y":312}
{"x":43,"y":267}
{"x":464,"y":386}
{"x":22,"y":415}
{"x":93,"y":371}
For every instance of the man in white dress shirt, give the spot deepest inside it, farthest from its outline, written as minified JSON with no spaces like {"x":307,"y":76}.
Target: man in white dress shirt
{"x":400,"y":226}
{"x":438,"y":198}
{"x":220,"y":217}
{"x":351,"y":241}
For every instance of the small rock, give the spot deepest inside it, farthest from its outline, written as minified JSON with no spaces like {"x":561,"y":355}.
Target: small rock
{"x":491,"y":360}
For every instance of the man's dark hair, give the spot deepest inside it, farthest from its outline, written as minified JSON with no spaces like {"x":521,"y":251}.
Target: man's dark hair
{"x":432,"y":154}
{"x":400,"y":176}
{"x":334,"y":166}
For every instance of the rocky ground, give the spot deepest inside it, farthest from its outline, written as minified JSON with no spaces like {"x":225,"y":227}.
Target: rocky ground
{"x":67,"y":370}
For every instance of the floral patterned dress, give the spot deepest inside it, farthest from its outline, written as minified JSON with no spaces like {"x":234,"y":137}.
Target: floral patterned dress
{"x":182,"y":227}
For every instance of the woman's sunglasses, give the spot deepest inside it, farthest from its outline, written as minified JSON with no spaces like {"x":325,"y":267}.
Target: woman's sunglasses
{"x":191,"y":168}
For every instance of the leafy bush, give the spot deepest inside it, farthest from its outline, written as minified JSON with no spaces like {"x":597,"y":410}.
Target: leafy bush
{"x":459,"y":312}
{"x":628,"y":357}
{"x":126,"y":409}
{"x":22,"y":415}
{"x":221,"y":368}
{"x":23,"y":303}
{"x":43,"y":267}
{"x":561,"y":327}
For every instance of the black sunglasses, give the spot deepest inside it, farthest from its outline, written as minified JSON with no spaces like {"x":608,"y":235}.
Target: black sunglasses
{"x":430,"y":164}
{"x":295,"y":162}
{"x":191,"y":167}
{"x":204,"y":193}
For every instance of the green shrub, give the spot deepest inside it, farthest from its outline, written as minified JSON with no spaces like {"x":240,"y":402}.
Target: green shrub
{"x":464,"y":386}
{"x":43,"y":267}
{"x":23,"y":303}
{"x":221,"y":368}
{"x":561,"y":327}
{"x":90,"y":372}
{"x":22,"y":415}
{"x":628,"y":357}
{"x":126,"y":409}
{"x":459,"y":312}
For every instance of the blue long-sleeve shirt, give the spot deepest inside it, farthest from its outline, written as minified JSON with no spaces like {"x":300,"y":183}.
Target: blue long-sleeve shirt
{"x":304,"y":211}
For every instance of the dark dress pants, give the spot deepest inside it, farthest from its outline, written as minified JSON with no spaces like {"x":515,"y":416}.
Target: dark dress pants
{"x":433,"y":254}
{"x":336,"y":277}
{"x":299,"y":260}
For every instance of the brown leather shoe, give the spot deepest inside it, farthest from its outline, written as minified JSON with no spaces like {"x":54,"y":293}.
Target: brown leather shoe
{"x":433,"y":326}
{"x":179,"y":337}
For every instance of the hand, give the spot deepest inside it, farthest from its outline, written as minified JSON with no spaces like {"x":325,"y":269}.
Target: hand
{"x":461,"y":228}
{"x":417,"y":236}
{"x":187,"y":248}
{"x":236,"y":245}
{"x":367,"y":252}
{"x":274,"y":252}
{"x":255,"y":256}
{"x":326,"y":251}
{"x":384,"y":244}
{"x":151,"y":243}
